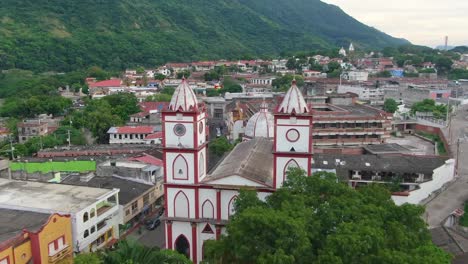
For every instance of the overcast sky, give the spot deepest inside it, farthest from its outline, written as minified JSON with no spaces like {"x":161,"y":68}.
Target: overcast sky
{"x":423,"y":22}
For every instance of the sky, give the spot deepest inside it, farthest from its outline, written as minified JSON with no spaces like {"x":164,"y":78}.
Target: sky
{"x":422,"y":22}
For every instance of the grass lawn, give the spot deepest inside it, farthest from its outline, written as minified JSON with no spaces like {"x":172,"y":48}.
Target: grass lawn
{"x":54,"y":166}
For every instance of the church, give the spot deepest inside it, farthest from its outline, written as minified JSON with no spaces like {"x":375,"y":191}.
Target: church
{"x":198,"y":203}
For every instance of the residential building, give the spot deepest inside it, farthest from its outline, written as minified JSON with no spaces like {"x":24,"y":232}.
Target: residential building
{"x":360,"y":76}
{"x":32,"y":128}
{"x":266,"y":80}
{"x":370,"y":94}
{"x":94,"y":212}
{"x":418,"y":176}
{"x":129,"y":134}
{"x":33,"y":237}
{"x":338,"y":125}
{"x":136,"y":199}
{"x":147,"y":172}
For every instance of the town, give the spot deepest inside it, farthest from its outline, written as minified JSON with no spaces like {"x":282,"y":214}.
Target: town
{"x":160,"y":155}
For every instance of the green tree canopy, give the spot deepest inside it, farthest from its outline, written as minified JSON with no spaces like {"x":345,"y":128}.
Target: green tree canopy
{"x":283,"y":83}
{"x":220,"y":146}
{"x":320,"y":220}
{"x":390,"y":105}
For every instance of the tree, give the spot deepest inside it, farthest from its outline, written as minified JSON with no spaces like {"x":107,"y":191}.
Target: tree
{"x":220,"y":146}
{"x":160,"y":76}
{"x":443,"y":64}
{"x":89,"y":258}
{"x":140,"y":70}
{"x":390,"y":105}
{"x":317,"y":219}
{"x":283,"y":83}
{"x":129,"y":252}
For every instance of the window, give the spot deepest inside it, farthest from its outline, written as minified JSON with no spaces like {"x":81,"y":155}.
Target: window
{"x":5,"y":260}
{"x":92,"y":213}
{"x":127,"y":212}
{"x":101,"y":225}
{"x":101,"y":240}
{"x":93,"y":229}
{"x":86,"y":234}
{"x":134,"y":207}
{"x":85,"y":217}
{"x":109,"y":234}
{"x":146,"y":199}
{"x":57,"y":245}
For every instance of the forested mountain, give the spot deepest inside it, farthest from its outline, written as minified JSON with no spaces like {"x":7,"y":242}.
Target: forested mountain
{"x":63,"y":35}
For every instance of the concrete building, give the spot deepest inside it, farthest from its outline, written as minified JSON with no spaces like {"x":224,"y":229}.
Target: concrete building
{"x":94,"y":212}
{"x":136,"y":199}
{"x":416,"y":176}
{"x":370,"y":94}
{"x":349,"y":124}
{"x":129,"y":134}
{"x":31,"y":128}
{"x":134,"y":170}
{"x":31,"y":237}
{"x":360,"y":76}
{"x":267,"y":80}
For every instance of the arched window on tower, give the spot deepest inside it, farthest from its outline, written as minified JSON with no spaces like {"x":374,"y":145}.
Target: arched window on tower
{"x":201,"y":165}
{"x":207,"y":210}
{"x":181,"y":205}
{"x":180,"y":168}
{"x":231,"y":209}
{"x":289,"y":165}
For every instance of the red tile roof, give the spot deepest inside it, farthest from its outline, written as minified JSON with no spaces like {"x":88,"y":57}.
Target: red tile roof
{"x":154,"y":135}
{"x":135,"y":130}
{"x":148,"y":159}
{"x":106,"y":83}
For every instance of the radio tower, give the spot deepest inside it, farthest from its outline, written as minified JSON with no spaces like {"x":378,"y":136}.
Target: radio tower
{"x":446,"y":42}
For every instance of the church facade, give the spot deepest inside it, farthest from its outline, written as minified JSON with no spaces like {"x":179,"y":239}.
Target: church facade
{"x":199,"y":204}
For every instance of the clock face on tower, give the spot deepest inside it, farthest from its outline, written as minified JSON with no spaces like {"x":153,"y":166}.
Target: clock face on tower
{"x":292,"y":135}
{"x":179,"y":130}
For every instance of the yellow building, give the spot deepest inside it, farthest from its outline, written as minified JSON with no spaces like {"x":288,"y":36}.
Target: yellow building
{"x":29,"y":237}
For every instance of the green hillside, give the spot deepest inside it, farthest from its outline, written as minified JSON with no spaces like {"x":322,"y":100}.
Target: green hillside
{"x":64,"y":35}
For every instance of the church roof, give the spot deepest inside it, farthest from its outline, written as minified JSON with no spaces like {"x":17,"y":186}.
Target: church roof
{"x":183,"y":99}
{"x":293,"y":101}
{"x":260,"y":124}
{"x":252,"y":160}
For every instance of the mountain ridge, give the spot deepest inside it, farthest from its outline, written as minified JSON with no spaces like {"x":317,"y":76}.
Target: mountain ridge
{"x":64,"y":35}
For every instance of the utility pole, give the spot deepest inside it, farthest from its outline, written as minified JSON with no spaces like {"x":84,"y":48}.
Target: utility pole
{"x":69,"y":137}
{"x":12,"y":149}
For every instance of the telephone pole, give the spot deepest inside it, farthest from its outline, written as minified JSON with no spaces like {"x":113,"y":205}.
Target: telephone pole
{"x":12,"y":149}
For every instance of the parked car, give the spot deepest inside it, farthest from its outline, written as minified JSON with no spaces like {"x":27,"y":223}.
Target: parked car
{"x":153,"y":223}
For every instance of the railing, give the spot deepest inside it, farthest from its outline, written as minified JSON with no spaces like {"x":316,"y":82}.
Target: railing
{"x":104,"y":208}
{"x":65,"y":252}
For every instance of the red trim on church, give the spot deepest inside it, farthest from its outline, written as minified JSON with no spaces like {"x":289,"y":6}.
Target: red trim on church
{"x":194,"y":242}
{"x":218,"y":205}
{"x":188,"y":203}
{"x":169,"y":235}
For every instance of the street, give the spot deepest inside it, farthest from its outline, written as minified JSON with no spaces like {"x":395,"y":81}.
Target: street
{"x":457,"y":193}
{"x":150,"y":238}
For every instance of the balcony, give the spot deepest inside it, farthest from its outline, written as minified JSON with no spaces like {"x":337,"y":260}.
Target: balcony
{"x":66,"y":252}
{"x":104,"y":207}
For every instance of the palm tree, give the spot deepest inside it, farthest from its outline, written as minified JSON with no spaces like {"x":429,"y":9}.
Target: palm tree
{"x":130,"y":252}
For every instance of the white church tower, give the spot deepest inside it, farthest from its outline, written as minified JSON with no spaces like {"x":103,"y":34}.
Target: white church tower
{"x":292,"y":145}
{"x":185,"y":163}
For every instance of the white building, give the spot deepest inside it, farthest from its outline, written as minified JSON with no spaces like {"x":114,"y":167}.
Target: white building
{"x":94,"y":211}
{"x":361,"y":76}
{"x":342,"y":52}
{"x":198,"y":204}
{"x":365,"y":93}
{"x":129,"y":134}
{"x":263,"y":80}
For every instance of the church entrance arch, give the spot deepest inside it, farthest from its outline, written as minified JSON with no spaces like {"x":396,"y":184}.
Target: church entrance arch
{"x":182,"y":246}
